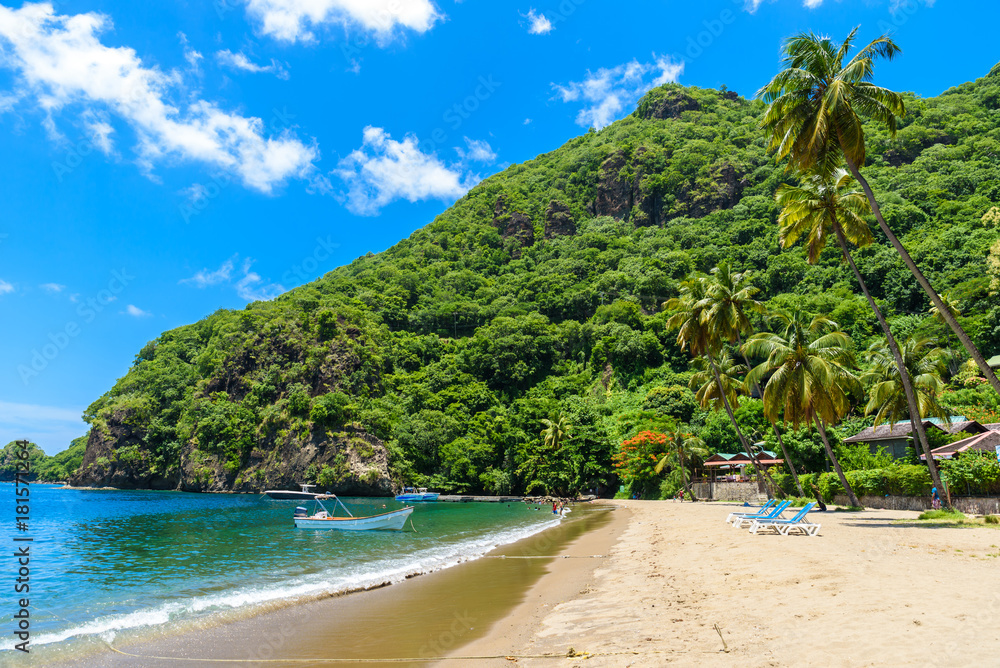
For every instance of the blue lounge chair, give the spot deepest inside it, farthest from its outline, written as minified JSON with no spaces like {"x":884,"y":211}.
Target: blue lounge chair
{"x":785,"y":526}
{"x":756,"y":511}
{"x":772,"y":514}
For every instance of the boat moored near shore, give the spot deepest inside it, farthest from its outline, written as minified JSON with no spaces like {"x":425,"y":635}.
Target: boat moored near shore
{"x":416,"y":494}
{"x":323,"y":519}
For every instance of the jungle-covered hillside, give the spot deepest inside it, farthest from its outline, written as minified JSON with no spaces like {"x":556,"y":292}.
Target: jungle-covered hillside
{"x":539,"y":295}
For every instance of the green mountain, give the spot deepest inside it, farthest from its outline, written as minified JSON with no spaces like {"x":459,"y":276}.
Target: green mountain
{"x":540,"y":292}
{"x":58,"y":467}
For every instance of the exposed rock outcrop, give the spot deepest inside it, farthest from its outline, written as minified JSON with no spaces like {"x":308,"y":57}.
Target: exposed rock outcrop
{"x":614,"y":190}
{"x":349,"y":462}
{"x":726,"y":189}
{"x":625,"y":191}
{"x":558,"y":220}
{"x":671,"y":105}
{"x":514,"y":227}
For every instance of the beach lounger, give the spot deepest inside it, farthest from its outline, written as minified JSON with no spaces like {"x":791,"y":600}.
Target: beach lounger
{"x":772,"y":514}
{"x":755,"y":511}
{"x":784,"y":526}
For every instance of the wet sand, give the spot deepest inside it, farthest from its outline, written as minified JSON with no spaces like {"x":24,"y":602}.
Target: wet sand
{"x":424,"y":617}
{"x":875,"y":588}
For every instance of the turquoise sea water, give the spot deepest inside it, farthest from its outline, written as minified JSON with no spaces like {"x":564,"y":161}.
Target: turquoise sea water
{"x":112,"y":564}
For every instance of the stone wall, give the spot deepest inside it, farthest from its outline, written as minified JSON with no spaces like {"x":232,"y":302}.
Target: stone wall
{"x":970,"y":505}
{"x":728,"y":491}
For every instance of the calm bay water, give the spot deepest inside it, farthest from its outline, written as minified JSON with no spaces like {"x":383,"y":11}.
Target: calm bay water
{"x":109,"y":564}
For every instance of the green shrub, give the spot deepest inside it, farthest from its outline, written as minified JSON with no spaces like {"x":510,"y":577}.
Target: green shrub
{"x":859,"y":457}
{"x":972,"y":473}
{"x":671,"y":484}
{"x":330,"y":476}
{"x":992,"y":519}
{"x":674,"y":401}
{"x":128,"y":455}
{"x":899,"y":479}
{"x":330,"y":410}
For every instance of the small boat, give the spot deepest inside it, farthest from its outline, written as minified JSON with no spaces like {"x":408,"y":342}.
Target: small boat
{"x":417,"y":494}
{"x":322,"y":519}
{"x":292,"y":494}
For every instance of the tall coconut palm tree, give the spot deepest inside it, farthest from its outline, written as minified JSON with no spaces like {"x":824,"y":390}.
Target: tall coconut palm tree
{"x":728,"y":302}
{"x":810,"y":381}
{"x":695,"y":333}
{"x":555,"y":432}
{"x":681,"y":445}
{"x":815,"y":106}
{"x":823,"y":204}
{"x":924,"y":363}
{"x":717,"y":384}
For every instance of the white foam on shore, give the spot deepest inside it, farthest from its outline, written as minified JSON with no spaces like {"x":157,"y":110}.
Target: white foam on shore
{"x":256,"y":599}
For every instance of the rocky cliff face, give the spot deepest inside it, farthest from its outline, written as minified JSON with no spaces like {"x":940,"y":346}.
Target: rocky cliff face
{"x":558,"y":220}
{"x":273,"y":413}
{"x":349,"y":462}
{"x":626,"y":190}
{"x":671,"y":105}
{"x":515,"y":227}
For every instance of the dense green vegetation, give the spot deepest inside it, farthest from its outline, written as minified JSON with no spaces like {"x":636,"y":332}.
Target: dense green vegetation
{"x":539,"y":296}
{"x":58,"y":467}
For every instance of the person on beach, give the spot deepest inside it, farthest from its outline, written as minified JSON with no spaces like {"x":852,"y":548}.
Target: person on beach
{"x":554,"y":505}
{"x":935,"y":499}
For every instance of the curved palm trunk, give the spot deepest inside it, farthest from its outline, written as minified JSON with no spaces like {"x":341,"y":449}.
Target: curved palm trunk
{"x":774,"y":425}
{"x":912,"y":405}
{"x":739,"y":433}
{"x":836,"y":463}
{"x":924,"y":283}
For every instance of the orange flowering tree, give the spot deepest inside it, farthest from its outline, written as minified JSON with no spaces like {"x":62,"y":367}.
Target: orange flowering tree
{"x":637,"y":458}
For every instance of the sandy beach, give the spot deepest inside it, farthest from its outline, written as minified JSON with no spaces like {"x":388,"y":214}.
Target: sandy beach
{"x":875,"y":588}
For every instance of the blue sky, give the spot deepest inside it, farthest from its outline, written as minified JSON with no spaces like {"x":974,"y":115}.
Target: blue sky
{"x":164,"y":160}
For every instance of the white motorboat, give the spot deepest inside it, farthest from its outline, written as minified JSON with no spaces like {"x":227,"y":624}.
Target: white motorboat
{"x":284,"y":494}
{"x":323,"y":519}
{"x":417,"y":494}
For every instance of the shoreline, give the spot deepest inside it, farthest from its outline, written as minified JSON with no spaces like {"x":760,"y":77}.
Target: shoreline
{"x":425,"y":615}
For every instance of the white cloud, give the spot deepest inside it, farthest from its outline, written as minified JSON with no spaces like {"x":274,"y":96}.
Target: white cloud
{"x":249,"y":286}
{"x":752,"y":6}
{"x":51,"y":427}
{"x":136,"y":312}
{"x":294,"y":20}
{"x":478,"y":151}
{"x":204,"y":278}
{"x":608,"y":91}
{"x":60,"y":62}
{"x":194,"y":193}
{"x":98,"y":127}
{"x":527,"y":121}
{"x":384,"y":170}
{"x":192,"y":57}
{"x":28,"y":413}
{"x":253,"y":288}
{"x":240,"y":61}
{"x":538,"y":24}
{"x":52,"y":287}
{"x":5,"y":287}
